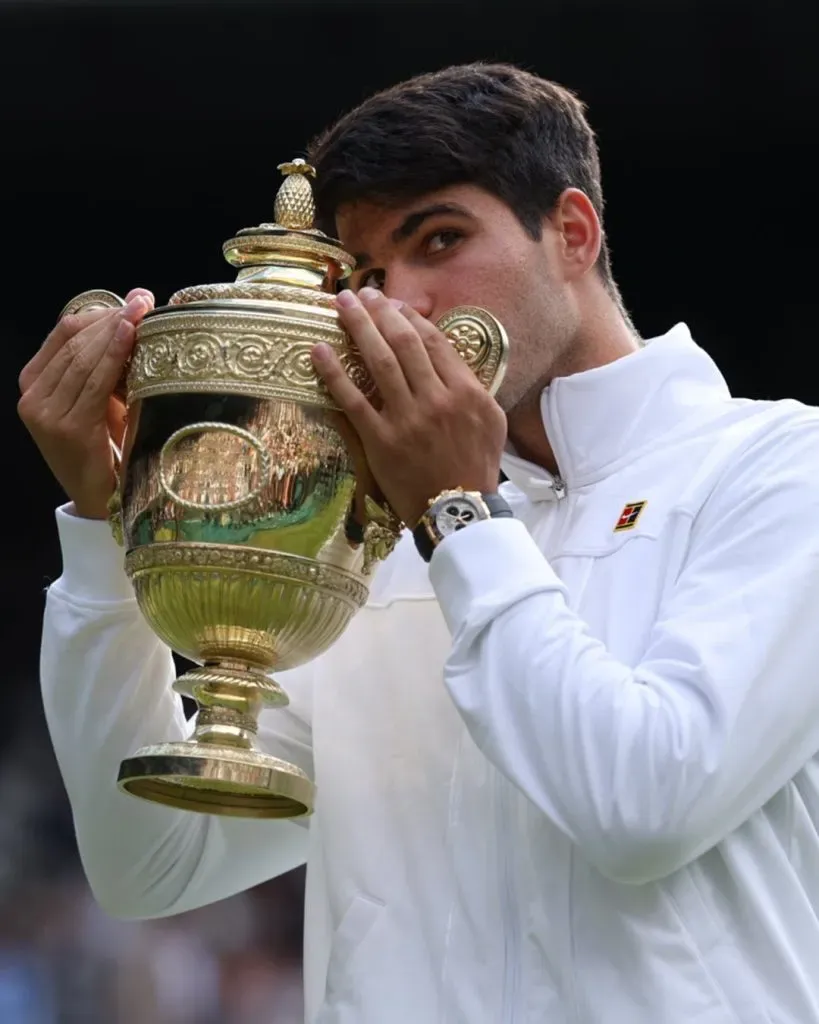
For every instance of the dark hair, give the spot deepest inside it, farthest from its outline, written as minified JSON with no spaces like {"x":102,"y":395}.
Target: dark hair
{"x":521,"y":138}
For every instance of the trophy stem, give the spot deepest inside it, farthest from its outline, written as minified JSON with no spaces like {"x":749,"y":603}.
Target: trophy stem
{"x":229,"y":694}
{"x":220,"y":769}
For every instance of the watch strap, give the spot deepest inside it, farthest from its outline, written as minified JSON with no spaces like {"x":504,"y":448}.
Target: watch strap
{"x":498,"y":506}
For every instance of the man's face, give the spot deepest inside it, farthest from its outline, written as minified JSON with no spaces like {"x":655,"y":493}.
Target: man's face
{"x":462,"y":246}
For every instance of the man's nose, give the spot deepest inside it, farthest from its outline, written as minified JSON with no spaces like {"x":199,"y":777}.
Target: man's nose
{"x":412,"y":295}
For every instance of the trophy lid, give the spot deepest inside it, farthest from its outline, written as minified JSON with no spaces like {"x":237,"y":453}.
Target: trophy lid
{"x":274,"y":259}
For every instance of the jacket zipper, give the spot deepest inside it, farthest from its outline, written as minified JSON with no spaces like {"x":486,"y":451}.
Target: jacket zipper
{"x":557,"y":538}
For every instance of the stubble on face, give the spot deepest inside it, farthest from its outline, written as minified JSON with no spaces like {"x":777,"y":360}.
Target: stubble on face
{"x":541,"y":337}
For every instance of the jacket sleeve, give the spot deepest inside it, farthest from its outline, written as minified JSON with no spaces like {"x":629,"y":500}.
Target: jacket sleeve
{"x":647,"y":767}
{"x":106,"y":684}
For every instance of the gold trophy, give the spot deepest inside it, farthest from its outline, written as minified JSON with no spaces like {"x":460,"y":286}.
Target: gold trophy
{"x":234,"y":497}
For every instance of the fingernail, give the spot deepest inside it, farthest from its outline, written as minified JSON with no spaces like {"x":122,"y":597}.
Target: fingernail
{"x":346,"y":299}
{"x":321,"y":352}
{"x":370,"y":295}
{"x":397,"y":303}
{"x":136,"y":306}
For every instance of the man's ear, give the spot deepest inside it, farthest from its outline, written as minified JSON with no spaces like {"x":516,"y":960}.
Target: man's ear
{"x":580,"y":234}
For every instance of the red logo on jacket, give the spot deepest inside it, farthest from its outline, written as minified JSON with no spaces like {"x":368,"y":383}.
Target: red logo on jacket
{"x":629,"y":516}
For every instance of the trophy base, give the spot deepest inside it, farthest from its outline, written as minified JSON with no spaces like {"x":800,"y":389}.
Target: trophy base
{"x":193,"y":776}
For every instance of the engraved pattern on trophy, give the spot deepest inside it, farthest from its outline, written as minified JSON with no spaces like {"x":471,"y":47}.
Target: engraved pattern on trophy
{"x":251,"y":290}
{"x":234,"y":496}
{"x":342,"y":585}
{"x":223,"y":353}
{"x":248,"y":355}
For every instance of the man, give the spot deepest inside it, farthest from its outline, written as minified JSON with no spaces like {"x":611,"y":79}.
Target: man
{"x":566,"y":772}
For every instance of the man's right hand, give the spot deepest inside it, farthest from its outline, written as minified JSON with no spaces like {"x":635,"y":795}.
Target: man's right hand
{"x":68,"y":403}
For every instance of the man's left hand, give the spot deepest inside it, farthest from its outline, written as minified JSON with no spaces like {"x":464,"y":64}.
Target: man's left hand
{"x":436,"y":427}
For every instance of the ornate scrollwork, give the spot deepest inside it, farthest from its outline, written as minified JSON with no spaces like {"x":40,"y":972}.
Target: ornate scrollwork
{"x":255,"y":354}
{"x":242,"y":353}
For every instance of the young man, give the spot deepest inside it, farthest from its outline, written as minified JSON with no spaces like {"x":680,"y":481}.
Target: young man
{"x":566,"y":771}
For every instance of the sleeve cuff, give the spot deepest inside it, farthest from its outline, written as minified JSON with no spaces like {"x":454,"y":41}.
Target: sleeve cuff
{"x":491,"y":564}
{"x":93,"y":562}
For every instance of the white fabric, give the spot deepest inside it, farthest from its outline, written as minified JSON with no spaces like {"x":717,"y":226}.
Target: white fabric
{"x":566,"y":775}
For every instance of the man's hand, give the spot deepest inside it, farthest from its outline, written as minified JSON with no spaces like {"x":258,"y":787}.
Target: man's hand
{"x":435,"y":426}
{"x":68,"y":403}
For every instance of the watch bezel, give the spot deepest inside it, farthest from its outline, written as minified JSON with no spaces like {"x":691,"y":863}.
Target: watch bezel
{"x":430,"y":516}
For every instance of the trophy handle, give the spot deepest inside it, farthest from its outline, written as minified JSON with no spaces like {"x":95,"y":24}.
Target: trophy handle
{"x":480,"y":340}
{"x":97,"y":298}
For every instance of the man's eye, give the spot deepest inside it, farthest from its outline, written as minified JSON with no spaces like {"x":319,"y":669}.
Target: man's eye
{"x":442,"y":240}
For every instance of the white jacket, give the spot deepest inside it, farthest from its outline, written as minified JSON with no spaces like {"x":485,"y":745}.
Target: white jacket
{"x":566,"y":774}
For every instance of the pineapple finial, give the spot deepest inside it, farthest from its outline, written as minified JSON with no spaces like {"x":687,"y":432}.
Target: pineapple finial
{"x":294,"y":208}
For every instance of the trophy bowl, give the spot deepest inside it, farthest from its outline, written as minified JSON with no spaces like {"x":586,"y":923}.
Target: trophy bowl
{"x":234,"y":498}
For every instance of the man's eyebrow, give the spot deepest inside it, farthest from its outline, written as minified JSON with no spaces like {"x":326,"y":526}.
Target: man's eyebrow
{"x":414,"y":220}
{"x":411,"y":223}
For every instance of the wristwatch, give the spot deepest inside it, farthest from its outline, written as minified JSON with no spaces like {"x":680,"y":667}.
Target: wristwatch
{"x":452,"y":511}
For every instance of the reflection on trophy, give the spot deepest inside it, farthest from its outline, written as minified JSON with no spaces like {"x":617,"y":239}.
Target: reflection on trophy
{"x":235,"y":493}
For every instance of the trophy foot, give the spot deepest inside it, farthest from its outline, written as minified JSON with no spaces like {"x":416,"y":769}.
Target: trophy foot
{"x":220,"y":770}
{"x":193,"y":776}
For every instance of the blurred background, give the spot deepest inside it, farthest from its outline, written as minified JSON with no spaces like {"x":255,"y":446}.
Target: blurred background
{"x":135,"y":138}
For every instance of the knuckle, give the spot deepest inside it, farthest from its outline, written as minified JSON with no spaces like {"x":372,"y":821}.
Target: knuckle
{"x":62,"y":330}
{"x":71,"y":325}
{"x":65,"y":328}
{"x":28,"y":411}
{"x":95,"y":385}
{"x":26,"y":378}
{"x":78,"y":356}
{"x":384,"y":365}
{"x":403,"y":337}
{"x":439,"y":404}
{"x":356,"y":403}
{"x":469,"y":392}
{"x":414,"y":424}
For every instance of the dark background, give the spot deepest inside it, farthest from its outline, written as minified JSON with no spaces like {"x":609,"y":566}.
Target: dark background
{"x":135,"y":138}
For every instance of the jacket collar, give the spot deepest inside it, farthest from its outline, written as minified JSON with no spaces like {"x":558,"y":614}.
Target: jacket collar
{"x":601,"y":419}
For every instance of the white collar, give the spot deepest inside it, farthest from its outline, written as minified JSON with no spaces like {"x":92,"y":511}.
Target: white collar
{"x":598,"y":420}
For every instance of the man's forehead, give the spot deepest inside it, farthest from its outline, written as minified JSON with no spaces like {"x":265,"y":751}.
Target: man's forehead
{"x":362,"y":211}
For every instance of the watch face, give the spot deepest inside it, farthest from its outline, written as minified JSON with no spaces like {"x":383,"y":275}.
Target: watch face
{"x":454,"y":513}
